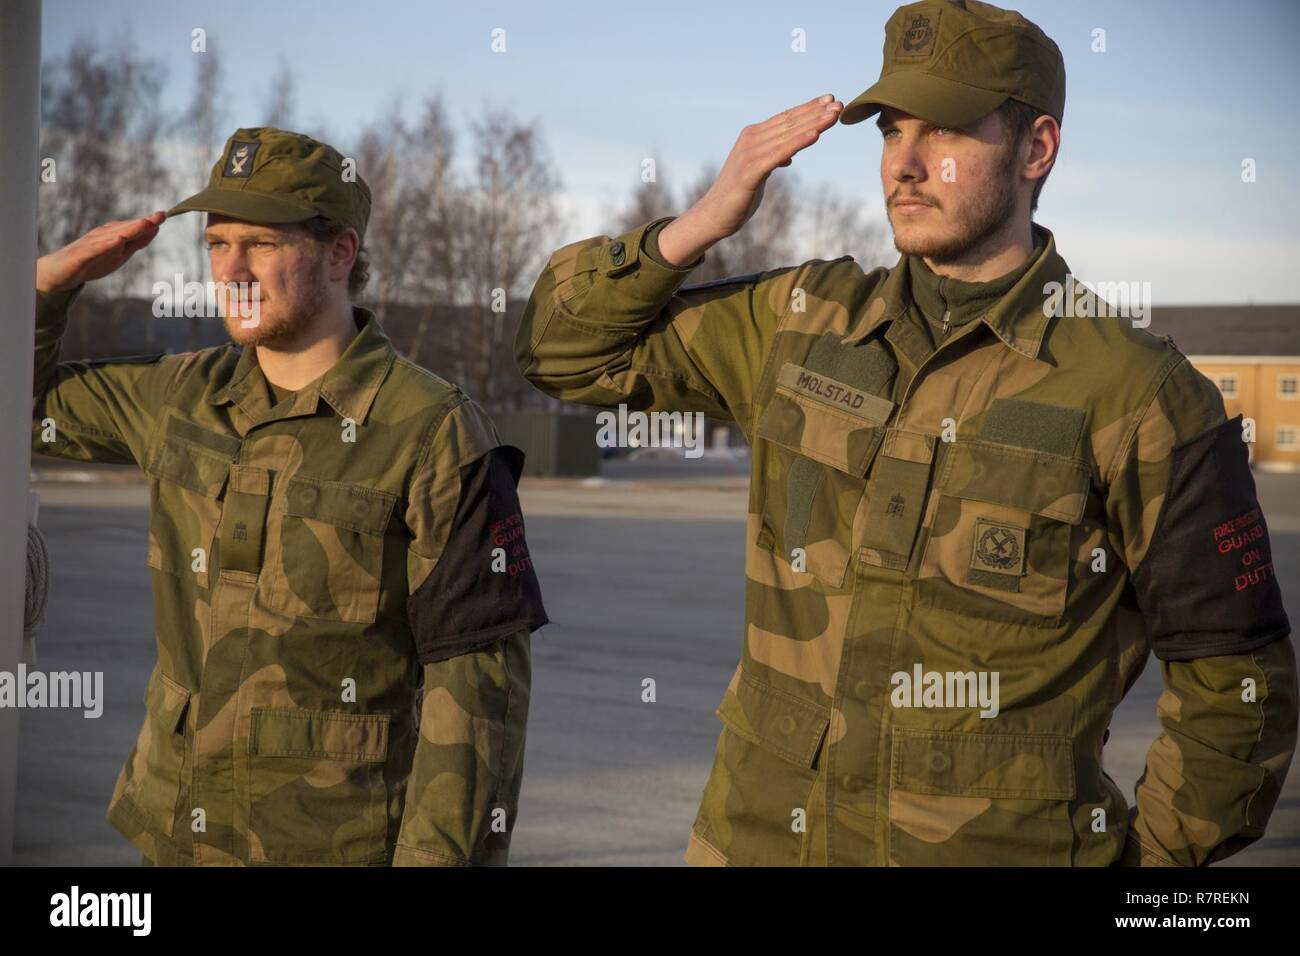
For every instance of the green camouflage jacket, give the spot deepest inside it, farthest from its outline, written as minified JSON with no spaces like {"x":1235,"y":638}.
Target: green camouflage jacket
{"x":315,"y":564}
{"x":957,"y":562}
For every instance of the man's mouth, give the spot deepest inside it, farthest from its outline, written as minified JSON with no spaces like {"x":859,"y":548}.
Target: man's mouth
{"x":911,"y":208}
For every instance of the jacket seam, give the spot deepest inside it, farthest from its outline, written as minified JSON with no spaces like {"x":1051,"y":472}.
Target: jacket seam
{"x":1157,"y":382}
{"x":446,"y":858}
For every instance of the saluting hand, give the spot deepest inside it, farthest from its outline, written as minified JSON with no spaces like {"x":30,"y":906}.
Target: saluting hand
{"x":98,"y":253}
{"x":735,"y":195}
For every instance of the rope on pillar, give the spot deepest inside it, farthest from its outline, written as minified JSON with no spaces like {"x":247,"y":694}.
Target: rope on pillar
{"x":38,"y":581}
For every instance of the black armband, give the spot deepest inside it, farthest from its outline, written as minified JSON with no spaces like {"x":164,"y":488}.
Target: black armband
{"x":1207,"y":585}
{"x":483,"y":587}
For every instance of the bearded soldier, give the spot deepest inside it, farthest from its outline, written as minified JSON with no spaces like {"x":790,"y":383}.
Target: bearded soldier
{"x":335,"y":535}
{"x":974,"y":509}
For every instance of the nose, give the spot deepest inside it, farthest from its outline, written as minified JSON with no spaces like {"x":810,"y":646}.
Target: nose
{"x":903,"y":162}
{"x":230,"y":265}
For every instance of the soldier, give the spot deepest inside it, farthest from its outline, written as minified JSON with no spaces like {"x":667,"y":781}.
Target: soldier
{"x":332,"y":527}
{"x":970,"y":517}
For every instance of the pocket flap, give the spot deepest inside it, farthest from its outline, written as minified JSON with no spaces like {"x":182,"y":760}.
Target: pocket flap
{"x":1036,"y":481}
{"x":191,"y":466}
{"x":819,"y":431}
{"x":166,"y":699}
{"x":347,"y":506}
{"x":282,"y":732}
{"x":776,"y":721}
{"x":1026,"y":766}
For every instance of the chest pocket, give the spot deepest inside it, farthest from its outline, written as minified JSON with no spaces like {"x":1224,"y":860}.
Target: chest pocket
{"x":1000,"y":542}
{"x":810,"y":490}
{"x":190,"y":465}
{"x":326,"y":550}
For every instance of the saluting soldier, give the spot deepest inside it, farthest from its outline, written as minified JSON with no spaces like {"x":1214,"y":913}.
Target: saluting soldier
{"x":974,"y":509}
{"x":335,"y":537}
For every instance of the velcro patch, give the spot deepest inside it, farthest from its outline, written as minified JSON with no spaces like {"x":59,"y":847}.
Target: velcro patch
{"x":1051,"y":428}
{"x":239,"y":162}
{"x":845,"y":398}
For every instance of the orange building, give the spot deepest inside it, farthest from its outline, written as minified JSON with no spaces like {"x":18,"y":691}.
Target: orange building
{"x":1252,"y":352}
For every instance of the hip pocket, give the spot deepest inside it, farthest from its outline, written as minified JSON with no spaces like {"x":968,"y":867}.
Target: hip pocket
{"x":756,"y":805}
{"x":316,"y":791}
{"x":151,"y":777}
{"x":973,"y":799}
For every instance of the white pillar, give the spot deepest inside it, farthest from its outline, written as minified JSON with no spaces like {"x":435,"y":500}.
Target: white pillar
{"x":20,"y":127}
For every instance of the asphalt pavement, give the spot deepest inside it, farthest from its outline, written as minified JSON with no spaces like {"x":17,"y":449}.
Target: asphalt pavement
{"x":642,"y":577}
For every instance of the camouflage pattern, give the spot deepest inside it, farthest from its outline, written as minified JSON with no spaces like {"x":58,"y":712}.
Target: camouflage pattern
{"x":875,"y":545}
{"x":289,"y":703}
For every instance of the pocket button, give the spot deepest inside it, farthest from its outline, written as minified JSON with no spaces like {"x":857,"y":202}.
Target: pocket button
{"x":938,"y":761}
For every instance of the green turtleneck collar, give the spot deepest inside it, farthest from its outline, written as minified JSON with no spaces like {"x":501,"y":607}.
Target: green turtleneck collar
{"x":938,"y":296}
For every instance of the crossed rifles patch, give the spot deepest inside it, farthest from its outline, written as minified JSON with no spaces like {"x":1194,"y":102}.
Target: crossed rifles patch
{"x":999,"y":548}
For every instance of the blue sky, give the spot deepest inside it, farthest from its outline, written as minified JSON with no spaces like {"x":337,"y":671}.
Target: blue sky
{"x":1148,"y":186}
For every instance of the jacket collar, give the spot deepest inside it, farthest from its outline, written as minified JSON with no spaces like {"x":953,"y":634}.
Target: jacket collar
{"x":1019,"y":318}
{"x":349,"y":387}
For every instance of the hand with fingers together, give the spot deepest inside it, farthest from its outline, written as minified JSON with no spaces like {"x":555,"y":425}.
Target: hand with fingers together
{"x":98,"y":253}
{"x":736,"y":194}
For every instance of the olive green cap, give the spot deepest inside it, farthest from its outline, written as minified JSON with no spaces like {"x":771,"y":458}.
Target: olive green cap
{"x":952,"y":62}
{"x":268,"y":175}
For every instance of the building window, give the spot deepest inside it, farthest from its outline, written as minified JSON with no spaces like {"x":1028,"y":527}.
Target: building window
{"x":1228,"y":385}
{"x":1288,"y":386}
{"x":1288,"y":436}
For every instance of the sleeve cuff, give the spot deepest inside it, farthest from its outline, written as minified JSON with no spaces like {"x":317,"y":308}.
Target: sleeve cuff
{"x":52,"y":307}
{"x":55,"y":300}
{"x":650,"y":245}
{"x":1136,"y":853}
{"x":404,"y":855}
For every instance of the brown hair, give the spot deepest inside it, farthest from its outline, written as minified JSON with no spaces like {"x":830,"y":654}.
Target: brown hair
{"x":1018,"y":118}
{"x":324,"y":229}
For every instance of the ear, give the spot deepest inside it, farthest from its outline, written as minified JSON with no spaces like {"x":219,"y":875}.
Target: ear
{"x":343,"y":252}
{"x":1044,"y":144}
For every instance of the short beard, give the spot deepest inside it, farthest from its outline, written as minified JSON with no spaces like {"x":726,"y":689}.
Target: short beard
{"x":987,"y":215}
{"x":290,"y":327}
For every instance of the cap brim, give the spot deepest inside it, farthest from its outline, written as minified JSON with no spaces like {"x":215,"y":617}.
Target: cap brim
{"x":246,"y":205}
{"x":925,"y":96}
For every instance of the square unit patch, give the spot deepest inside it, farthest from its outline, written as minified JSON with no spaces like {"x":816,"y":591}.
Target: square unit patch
{"x":998,"y":551}
{"x":239,"y":162}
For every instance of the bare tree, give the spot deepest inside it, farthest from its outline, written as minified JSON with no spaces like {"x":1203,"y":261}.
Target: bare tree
{"x":100,"y":125}
{"x":833,"y":225}
{"x":509,"y":230}
{"x":437,"y":234}
{"x":382,"y":162}
{"x":650,"y":200}
{"x":280,"y":105}
{"x":202,"y":126}
{"x":766,"y":241}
